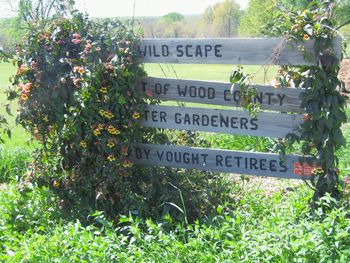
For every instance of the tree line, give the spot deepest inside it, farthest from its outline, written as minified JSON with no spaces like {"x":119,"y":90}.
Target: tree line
{"x":223,"y":19}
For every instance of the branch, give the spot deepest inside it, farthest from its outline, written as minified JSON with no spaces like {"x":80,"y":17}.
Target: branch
{"x":11,"y":6}
{"x":344,"y":24}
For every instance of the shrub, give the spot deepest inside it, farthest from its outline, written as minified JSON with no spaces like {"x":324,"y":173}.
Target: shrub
{"x":77,"y":89}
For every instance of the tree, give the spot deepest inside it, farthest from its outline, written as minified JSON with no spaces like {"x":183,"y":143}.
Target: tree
{"x":39,"y":11}
{"x":223,"y":18}
{"x":259,"y":13}
{"x":170,"y":25}
{"x":173,"y":17}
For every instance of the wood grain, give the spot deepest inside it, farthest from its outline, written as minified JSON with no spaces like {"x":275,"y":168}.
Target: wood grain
{"x":274,"y":125}
{"x":219,"y":93}
{"x":253,"y":51}
{"x":260,"y":164}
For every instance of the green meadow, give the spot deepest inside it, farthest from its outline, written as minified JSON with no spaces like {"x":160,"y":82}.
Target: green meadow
{"x":266,"y":220}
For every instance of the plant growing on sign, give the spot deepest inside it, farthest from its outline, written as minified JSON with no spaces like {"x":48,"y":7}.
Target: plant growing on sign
{"x":76,"y":86}
{"x":320,"y":134}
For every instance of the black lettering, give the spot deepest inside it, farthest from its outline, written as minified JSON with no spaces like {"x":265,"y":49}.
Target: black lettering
{"x":146,"y":115}
{"x":158,"y":88}
{"x":211,"y":93}
{"x":199,"y":51}
{"x":254,"y":124}
{"x":263,"y":164}
{"x":144,"y":86}
{"x":138,"y":153}
{"x":228,"y":160}
{"x":186,"y":158}
{"x":269,"y":95}
{"x":218,"y":161}
{"x":273,"y":166}
{"x":147,"y":152}
{"x":237,"y":96}
{"x":169,"y":156}
{"x":207,"y":49}
{"x":224,"y":121}
{"x":187,"y":51}
{"x":165,"y":50}
{"x":253,"y":163}
{"x":283,"y":166}
{"x":177,"y":156}
{"x":214,"y":120}
{"x":234,"y":122}
{"x":187,"y":119}
{"x":244,"y":122}
{"x":195,"y":158}
{"x":144,"y":51}
{"x":196,"y":118}
{"x":166,"y":88}
{"x":202,"y":92}
{"x":179,"y":50}
{"x":227,"y":96}
{"x":193,"y":91}
{"x":177,"y":118}
{"x":150,"y":50}
{"x":217,"y":51}
{"x":154,"y":116}
{"x":182,"y":92}
{"x":281,"y":98}
{"x":162,"y":116}
{"x":204,"y":155}
{"x":160,"y":155}
{"x":155,"y":52}
{"x":205,"y":120}
{"x":238,"y":159}
{"x":258,"y":98}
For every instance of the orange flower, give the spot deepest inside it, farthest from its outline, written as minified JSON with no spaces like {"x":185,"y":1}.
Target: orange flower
{"x":26,"y":88}
{"x":24,"y":97}
{"x":79,"y":70}
{"x":23,"y":69}
{"x":306,"y":37}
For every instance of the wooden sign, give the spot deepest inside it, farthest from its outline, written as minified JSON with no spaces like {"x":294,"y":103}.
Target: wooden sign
{"x":275,"y":125}
{"x":261,"y":164}
{"x":219,"y":93}
{"x":254,"y":51}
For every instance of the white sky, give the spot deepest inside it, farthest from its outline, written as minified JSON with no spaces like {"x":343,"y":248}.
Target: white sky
{"x":121,"y":8}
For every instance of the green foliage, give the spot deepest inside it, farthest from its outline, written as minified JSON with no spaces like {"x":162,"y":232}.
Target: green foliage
{"x":173,"y":17}
{"x":259,"y":13}
{"x":320,"y":135}
{"x":78,"y":98}
{"x":246,"y":230}
{"x":223,"y":18}
{"x":13,"y":164}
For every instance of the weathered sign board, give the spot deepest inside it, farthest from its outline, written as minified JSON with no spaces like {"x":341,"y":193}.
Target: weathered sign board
{"x":261,"y":164}
{"x":274,"y":125}
{"x":277,"y":124}
{"x":219,"y":93}
{"x":254,"y":51}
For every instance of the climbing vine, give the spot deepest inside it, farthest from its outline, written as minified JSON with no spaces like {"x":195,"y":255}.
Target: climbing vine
{"x":320,"y":134}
